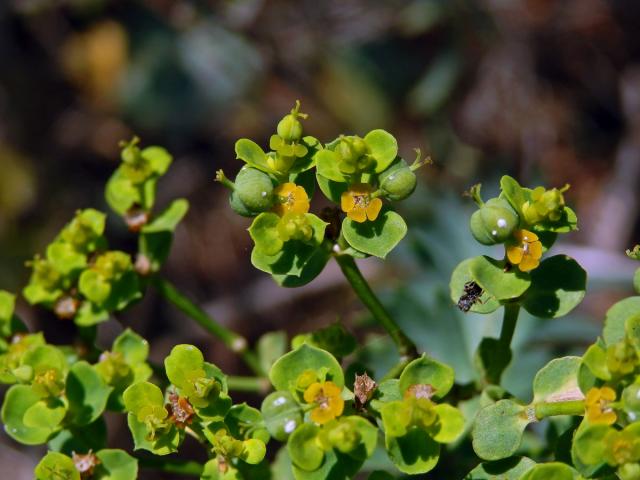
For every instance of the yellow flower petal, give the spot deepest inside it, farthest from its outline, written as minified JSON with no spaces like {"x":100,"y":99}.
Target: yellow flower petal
{"x":373,"y":209}
{"x":535,"y":249}
{"x":357,"y":215}
{"x":514,"y":254}
{"x":528,"y":263}
{"x":312,"y":392}
{"x":347,"y":202}
{"x":322,"y":415}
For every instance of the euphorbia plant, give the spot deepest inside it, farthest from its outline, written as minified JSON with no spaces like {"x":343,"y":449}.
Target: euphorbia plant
{"x":320,"y":408}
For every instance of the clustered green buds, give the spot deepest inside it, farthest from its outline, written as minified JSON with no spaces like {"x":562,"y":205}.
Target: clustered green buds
{"x":354,"y":172}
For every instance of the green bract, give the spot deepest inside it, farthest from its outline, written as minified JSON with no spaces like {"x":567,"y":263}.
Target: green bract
{"x":134,"y":182}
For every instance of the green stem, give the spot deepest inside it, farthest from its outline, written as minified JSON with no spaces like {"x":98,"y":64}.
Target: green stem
{"x":248,"y":384}
{"x":571,"y":407}
{"x":231,"y":339}
{"x":351,"y":271}
{"x":171,"y":465}
{"x":511,"y":311}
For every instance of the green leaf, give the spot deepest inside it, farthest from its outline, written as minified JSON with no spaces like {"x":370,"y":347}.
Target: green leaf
{"x":80,"y":439}
{"x":514,"y":193}
{"x":462,"y":275}
{"x":65,"y":259}
{"x":492,"y":358}
{"x":265,"y":235}
{"x":332,"y":189}
{"x":558,"y":381}
{"x":132,"y":346}
{"x":270,"y":347}
{"x":115,"y":465}
{"x":45,"y":414}
{"x":56,"y":466}
{"x":165,"y":443}
{"x":181,"y":364}
{"x":617,"y":315}
{"x":251,"y":153}
{"x":19,"y":399}
{"x":595,"y":359}
{"x":377,"y":237}
{"x":94,"y":286}
{"x":121,"y":194}
{"x":87,"y":393}
{"x":90,"y":314}
{"x":568,"y":222}
{"x":383,"y":147}
{"x":168,"y":220}
{"x":589,"y":446}
{"x":557,"y":287}
{"x":312,"y":267}
{"x":285,"y":372}
{"x":295,"y":255}
{"x":414,"y":453}
{"x":550,"y":471}
{"x":254,"y":451}
{"x":142,"y":394}
{"x":282,"y":414}
{"x":497,"y":430}
{"x":450,"y":424}
{"x":212,"y":471}
{"x":304,"y":449}
{"x":508,"y":469}
{"x":425,"y":370}
{"x":490,"y":275}
{"x":327,"y":166}
{"x":159,"y":159}
{"x":246,"y":422}
{"x":7,"y":305}
{"x":45,"y":357}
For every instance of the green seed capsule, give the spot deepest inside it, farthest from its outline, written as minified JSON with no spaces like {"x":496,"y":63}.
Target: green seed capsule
{"x":494,"y":222}
{"x":290,"y":128}
{"x":282,"y":414}
{"x":398,"y":181}
{"x":254,"y":189}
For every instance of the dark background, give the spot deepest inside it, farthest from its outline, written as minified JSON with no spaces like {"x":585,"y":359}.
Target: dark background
{"x":547,"y":91}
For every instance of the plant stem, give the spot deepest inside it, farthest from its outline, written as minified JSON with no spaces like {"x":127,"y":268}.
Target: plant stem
{"x":231,"y":339}
{"x":171,"y":465}
{"x":511,"y":311}
{"x":550,"y":409}
{"x":248,"y":384}
{"x":351,"y":271}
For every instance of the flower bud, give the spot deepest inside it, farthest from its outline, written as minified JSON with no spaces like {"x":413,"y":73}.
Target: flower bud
{"x":290,"y":128}
{"x":345,"y":437}
{"x":254,"y":189}
{"x":494,"y":222}
{"x":352,"y":154}
{"x":398,"y":181}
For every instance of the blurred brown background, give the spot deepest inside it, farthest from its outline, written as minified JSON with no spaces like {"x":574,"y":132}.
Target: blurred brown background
{"x":545,"y":90}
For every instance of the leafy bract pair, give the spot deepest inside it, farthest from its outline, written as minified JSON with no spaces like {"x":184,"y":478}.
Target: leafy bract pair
{"x":197,"y":401}
{"x":55,"y":393}
{"x":78,"y":277}
{"x":602,"y":387}
{"x":105,"y":464}
{"x":323,"y":422}
{"x":276,"y":187}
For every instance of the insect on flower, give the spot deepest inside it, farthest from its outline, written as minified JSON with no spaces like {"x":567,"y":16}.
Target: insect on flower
{"x":471,"y":296}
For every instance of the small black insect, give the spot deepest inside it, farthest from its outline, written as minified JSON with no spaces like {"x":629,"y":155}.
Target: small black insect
{"x":471,"y":295}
